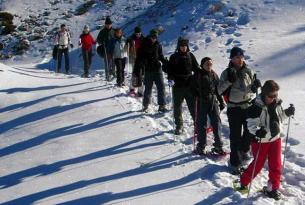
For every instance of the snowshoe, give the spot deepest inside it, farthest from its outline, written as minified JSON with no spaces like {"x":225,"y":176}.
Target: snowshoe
{"x":200,"y":151}
{"x":218,"y":151}
{"x":162,"y":109}
{"x":275,"y":194}
{"x":239,"y":187}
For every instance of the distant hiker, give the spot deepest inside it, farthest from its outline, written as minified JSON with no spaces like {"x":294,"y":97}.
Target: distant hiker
{"x":150,"y":55}
{"x":134,"y":43}
{"x":62,"y":41}
{"x":209,"y":105}
{"x":86,"y":41}
{"x":103,"y":39}
{"x":118,"y":51}
{"x":238,"y":84}
{"x":181,"y":67}
{"x":265,"y":124}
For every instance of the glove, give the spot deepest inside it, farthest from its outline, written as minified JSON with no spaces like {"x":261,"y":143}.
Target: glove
{"x":254,"y":88}
{"x":257,"y":83}
{"x":290,"y":111}
{"x":171,"y":83}
{"x":261,"y":133}
{"x":232,"y":76}
{"x":71,"y":45}
{"x":222,"y":106}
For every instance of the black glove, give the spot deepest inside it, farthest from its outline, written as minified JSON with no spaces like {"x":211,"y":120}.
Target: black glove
{"x":71,"y":45}
{"x":290,"y":111}
{"x":232,"y":76}
{"x":254,"y":88}
{"x":257,"y":83}
{"x":222,"y":106}
{"x":261,"y":133}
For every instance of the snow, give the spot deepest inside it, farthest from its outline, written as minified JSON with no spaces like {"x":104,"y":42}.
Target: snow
{"x":69,"y":140}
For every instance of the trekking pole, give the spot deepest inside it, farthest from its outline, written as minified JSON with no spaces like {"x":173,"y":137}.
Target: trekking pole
{"x":254,"y":167}
{"x":106,"y":63}
{"x":286,"y":142}
{"x":172,"y":102}
{"x":195,"y":124}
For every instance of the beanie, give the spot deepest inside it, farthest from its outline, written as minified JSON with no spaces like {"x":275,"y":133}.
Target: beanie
{"x":108,"y":20}
{"x":137,"y":29}
{"x":236,"y":51}
{"x":153,"y":33}
{"x":183,"y":42}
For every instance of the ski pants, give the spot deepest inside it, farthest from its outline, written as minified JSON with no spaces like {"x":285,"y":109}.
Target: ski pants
{"x":239,"y":143}
{"x":270,"y":151}
{"x":64,"y":51}
{"x":179,"y":94}
{"x":120,"y":69}
{"x":149,"y":79}
{"x":209,"y":109}
{"x":87,"y":57}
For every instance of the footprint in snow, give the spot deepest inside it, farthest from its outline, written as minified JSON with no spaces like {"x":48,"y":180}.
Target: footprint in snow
{"x":293,"y":141}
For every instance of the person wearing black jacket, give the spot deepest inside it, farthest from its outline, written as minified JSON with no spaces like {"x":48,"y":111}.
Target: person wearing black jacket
{"x":150,"y":55}
{"x":181,"y":67}
{"x":209,"y":104}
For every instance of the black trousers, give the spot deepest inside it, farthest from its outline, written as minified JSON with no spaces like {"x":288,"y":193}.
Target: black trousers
{"x":209,"y":109}
{"x":149,"y":79}
{"x":120,"y":69}
{"x":179,"y":95}
{"x":87,"y":57}
{"x":64,"y":52}
{"x":239,"y":143}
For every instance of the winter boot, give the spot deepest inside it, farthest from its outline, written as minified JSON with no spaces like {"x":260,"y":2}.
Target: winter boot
{"x":145,"y":108}
{"x":218,"y":151}
{"x":275,"y":194}
{"x":200,"y":150}
{"x":178,"y":131}
{"x":162,"y":109}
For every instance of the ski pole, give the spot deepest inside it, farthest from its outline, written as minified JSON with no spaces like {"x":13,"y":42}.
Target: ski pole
{"x":172,"y":102}
{"x":254,"y":167}
{"x":195,"y":124}
{"x":286,"y":142}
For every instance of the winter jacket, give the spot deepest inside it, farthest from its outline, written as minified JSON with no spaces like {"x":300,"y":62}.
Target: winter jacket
{"x":63,"y":39}
{"x":150,"y":56}
{"x":240,"y":93}
{"x":104,"y":37}
{"x":205,"y":85}
{"x":87,"y":41}
{"x":134,"y":44}
{"x":258,"y":115}
{"x":181,"y":67}
{"x":118,"y":47}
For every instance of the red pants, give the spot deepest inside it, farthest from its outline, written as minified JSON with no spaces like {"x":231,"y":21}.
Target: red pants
{"x":272,"y":150}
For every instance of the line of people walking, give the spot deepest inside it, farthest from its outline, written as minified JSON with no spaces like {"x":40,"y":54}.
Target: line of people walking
{"x":255,"y":119}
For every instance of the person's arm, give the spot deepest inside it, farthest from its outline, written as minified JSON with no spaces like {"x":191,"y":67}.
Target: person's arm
{"x":223,"y":84}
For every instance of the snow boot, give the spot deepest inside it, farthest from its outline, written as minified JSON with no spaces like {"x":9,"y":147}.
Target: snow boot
{"x":178,"y":131}
{"x":275,"y":194}
{"x":200,"y":150}
{"x":218,"y":151}
{"x":162,"y":109}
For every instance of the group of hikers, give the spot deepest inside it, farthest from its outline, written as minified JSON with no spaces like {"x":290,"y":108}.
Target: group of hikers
{"x":255,"y":119}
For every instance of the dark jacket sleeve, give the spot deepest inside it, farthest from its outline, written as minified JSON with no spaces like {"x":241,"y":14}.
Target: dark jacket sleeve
{"x":171,"y":67}
{"x":219,"y":96}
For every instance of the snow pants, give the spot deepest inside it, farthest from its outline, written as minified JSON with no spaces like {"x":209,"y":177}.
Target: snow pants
{"x":64,"y":51}
{"x":270,"y":151}
{"x":87,"y":57}
{"x":149,"y":79}
{"x":120,"y":69}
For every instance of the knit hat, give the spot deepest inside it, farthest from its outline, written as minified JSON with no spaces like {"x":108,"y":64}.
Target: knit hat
{"x":236,"y":51}
{"x":183,"y":42}
{"x":153,"y":33}
{"x":108,"y":21}
{"x":137,"y":29}
{"x":86,"y":28}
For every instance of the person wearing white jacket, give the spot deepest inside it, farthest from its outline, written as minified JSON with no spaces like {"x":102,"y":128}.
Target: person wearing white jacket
{"x":264,"y":125}
{"x":62,"y":41}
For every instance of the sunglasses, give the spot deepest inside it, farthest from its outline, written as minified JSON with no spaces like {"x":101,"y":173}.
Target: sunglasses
{"x":272,"y":96}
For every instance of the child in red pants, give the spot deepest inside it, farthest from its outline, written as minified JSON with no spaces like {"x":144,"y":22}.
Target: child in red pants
{"x":264,"y":123}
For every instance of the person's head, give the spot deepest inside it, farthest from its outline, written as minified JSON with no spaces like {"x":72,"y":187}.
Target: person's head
{"x":62,"y":27}
{"x":270,"y":91}
{"x":108,"y":23}
{"x":207,"y":63}
{"x":183,"y":45}
{"x":237,"y":57}
{"x":118,"y":32}
{"x":137,"y":31}
{"x":153,"y":35}
{"x":86,"y":29}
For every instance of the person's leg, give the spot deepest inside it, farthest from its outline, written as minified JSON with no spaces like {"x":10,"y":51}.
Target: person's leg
{"x":202,"y":124}
{"x":124,"y":61}
{"x":235,"y":125}
{"x":118,"y":64}
{"x":216,"y":124}
{"x":177,"y":102}
{"x":245,"y":178}
{"x":190,"y":101}
{"x":85,"y":58}
{"x":160,"y":88}
{"x":148,"y":83}
{"x":67,"y":62}
{"x":59,"y":57}
{"x":275,"y":164}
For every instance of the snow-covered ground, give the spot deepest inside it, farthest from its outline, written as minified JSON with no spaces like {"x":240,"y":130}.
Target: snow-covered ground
{"x":69,"y":140}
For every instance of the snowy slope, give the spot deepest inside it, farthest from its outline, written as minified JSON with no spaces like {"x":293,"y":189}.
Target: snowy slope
{"x":68,"y":140}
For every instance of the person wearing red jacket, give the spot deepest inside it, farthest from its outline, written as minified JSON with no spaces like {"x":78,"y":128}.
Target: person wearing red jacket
{"x":86,"y":41}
